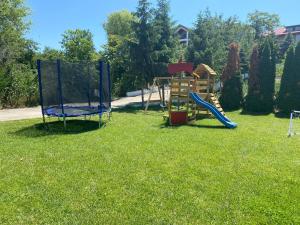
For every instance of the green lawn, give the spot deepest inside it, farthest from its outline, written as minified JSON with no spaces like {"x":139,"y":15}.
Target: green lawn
{"x":136,"y":170}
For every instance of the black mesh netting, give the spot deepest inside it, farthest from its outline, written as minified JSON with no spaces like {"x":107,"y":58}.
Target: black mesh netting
{"x":74,"y":89}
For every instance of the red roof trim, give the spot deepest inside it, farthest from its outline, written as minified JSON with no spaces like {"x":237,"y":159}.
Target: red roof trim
{"x":286,"y":33}
{"x":180,"y":67}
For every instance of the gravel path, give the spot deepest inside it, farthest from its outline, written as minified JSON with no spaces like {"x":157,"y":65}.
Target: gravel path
{"x":35,"y":112}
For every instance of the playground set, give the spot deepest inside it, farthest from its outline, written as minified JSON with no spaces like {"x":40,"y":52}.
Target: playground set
{"x":192,"y":94}
{"x":74,"y":89}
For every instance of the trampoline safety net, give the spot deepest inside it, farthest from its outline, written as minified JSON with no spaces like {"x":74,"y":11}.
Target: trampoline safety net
{"x":74,"y":89}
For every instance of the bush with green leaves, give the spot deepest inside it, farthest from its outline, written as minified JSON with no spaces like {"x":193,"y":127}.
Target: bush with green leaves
{"x":232,"y":93}
{"x":19,"y":87}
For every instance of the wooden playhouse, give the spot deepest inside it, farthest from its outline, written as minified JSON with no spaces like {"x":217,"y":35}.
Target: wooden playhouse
{"x":185,"y":80}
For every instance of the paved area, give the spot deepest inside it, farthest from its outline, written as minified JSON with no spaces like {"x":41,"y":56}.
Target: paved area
{"x":35,"y":112}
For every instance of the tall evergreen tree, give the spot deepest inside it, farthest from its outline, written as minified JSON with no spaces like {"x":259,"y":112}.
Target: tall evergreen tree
{"x":267,"y":76}
{"x":165,"y":43}
{"x":206,"y":42}
{"x":286,"y":98}
{"x":252,"y":100}
{"x":211,"y":36}
{"x":142,"y":48}
{"x":287,"y":42}
{"x":232,"y":94}
{"x":296,"y":86}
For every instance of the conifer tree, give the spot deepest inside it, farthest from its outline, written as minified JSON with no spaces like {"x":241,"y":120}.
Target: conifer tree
{"x":142,"y":47}
{"x":165,"y":43}
{"x":296,"y":86}
{"x":267,"y":76}
{"x":232,"y":93}
{"x":285,"y":97}
{"x":252,"y":100}
{"x":206,"y":43}
{"x":288,"y":41}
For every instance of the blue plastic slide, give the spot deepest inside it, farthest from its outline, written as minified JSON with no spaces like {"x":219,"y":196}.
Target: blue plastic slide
{"x":213,"y":109}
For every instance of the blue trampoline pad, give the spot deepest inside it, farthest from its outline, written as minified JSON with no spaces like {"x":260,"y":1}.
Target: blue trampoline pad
{"x":74,"y":111}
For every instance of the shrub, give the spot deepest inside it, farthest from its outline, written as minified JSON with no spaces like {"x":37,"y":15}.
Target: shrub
{"x":19,"y":86}
{"x":232,"y":93}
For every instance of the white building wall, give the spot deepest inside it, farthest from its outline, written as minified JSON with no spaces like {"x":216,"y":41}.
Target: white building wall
{"x":298,"y":37}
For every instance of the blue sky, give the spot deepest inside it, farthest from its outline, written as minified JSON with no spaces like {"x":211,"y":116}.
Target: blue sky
{"x":50,"y":18}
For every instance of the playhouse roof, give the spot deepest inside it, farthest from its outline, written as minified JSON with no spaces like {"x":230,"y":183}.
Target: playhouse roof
{"x":203,"y":68}
{"x":180,"y":67}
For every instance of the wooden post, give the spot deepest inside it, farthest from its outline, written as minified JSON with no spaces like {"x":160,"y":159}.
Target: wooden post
{"x":150,"y":94}
{"x":208,"y":83}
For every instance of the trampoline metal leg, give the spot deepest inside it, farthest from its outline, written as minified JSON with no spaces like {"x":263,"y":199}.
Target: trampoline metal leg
{"x":100,"y":117}
{"x":65,"y":123}
{"x":109,"y":114}
{"x":44,"y":120}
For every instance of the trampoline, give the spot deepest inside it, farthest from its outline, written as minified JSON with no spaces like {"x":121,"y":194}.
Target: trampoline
{"x":74,"y":89}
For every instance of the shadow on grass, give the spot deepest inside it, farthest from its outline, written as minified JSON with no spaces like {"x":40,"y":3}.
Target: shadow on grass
{"x":166,"y":125}
{"x":57,"y":128}
{"x":282,"y":115}
{"x":244,"y":112}
{"x":135,"y":108}
{"x":208,"y":126}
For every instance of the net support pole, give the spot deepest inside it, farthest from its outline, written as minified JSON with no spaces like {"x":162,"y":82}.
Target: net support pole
{"x":41,"y":89}
{"x":100,"y":91}
{"x":291,"y":125}
{"x":60,"y":92}
{"x":163,"y":95}
{"x":109,"y":90}
{"x":88,"y":86}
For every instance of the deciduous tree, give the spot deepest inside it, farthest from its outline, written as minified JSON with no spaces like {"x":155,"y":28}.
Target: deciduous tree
{"x":263,"y":23}
{"x":119,"y":32}
{"x":78,"y":45}
{"x":17,"y":75}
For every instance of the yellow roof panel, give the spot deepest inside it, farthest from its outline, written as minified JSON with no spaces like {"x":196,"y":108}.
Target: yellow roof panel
{"x":203,"y":68}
